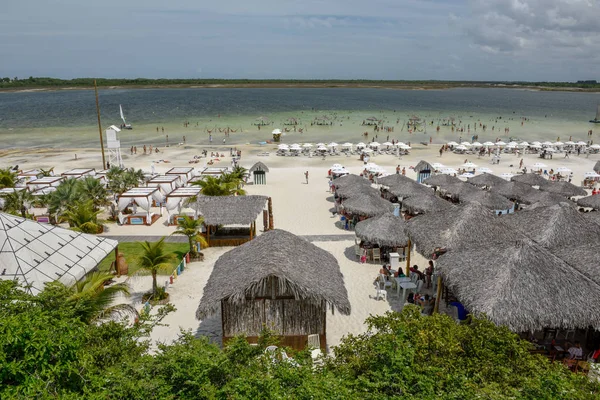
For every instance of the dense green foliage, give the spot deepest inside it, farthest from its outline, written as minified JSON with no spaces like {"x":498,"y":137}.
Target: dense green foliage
{"x":227,"y":184}
{"x":191,"y":227}
{"x":154,"y":258}
{"x":131,"y":252}
{"x":8,"y":178}
{"x":48,"y":350}
{"x":121,"y":180}
{"x":32,"y":82}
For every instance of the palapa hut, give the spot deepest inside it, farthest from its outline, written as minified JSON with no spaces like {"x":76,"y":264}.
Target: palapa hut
{"x":486,"y":180}
{"x":597,"y":167}
{"x":540,"y":198}
{"x":423,"y":170}
{"x":592,"y":216}
{"x":366,"y":205}
{"x":583,"y":258}
{"x":425,"y":204}
{"x":491,"y":201}
{"x":407,"y":190}
{"x":394,"y":180}
{"x":441,"y":180}
{"x":349,"y":180}
{"x":386,"y":230}
{"x":279,"y":281}
{"x":521,"y":285}
{"x":259,"y":173}
{"x":530,"y":179}
{"x":470,"y":224}
{"x":557,"y":225}
{"x":355,"y":188}
{"x":592,"y":201}
{"x":521,"y":192}
{"x":563,"y":188}
{"x":456,"y":191}
{"x":239,"y":212}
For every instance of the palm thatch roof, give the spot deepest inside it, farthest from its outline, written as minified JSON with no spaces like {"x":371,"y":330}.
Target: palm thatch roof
{"x":486,"y":180}
{"x":367,"y":205}
{"x":441,"y":180}
{"x":489,"y":200}
{"x":425,"y":204}
{"x":515,"y":191}
{"x":563,"y":188}
{"x":356,"y":188}
{"x":303,"y":269}
{"x":230,"y":210}
{"x":395,"y":180}
{"x":592,"y":216}
{"x":385,"y":230}
{"x":349,"y":180}
{"x":521,"y":285}
{"x":470,"y":224}
{"x":423,"y":166}
{"x":583,"y":258}
{"x":259,"y":166}
{"x":597,"y":167}
{"x":456,"y":191}
{"x":410,"y":189}
{"x":592,"y":201}
{"x":541,"y":198}
{"x":557,"y":225}
{"x":530,"y":179}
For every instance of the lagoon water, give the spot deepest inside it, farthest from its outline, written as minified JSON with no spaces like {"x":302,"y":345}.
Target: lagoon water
{"x":67,"y":118}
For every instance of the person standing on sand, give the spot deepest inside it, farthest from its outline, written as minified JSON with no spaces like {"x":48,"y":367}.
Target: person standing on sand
{"x":144,"y":149}
{"x":403,"y":171}
{"x":306,"y":176}
{"x":398,"y":170}
{"x":441,"y":150}
{"x":163,"y":129}
{"x":184,"y":139}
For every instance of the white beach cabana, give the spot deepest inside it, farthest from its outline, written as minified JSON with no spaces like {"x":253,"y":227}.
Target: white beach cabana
{"x":26,"y":176}
{"x":35,"y":253}
{"x":177,"y":199}
{"x":166,"y":183}
{"x":6,"y":191}
{"x":78,"y":173}
{"x":43,"y":182}
{"x":142,"y":197}
{"x":211,"y":171}
{"x":184,"y":173}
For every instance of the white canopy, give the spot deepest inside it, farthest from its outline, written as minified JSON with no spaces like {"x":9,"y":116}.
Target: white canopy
{"x":35,"y":253}
{"x":142,"y":196}
{"x":452,"y":143}
{"x":488,"y":144}
{"x":177,"y":197}
{"x":374,"y":144}
{"x":347,"y":144}
{"x":165,"y":183}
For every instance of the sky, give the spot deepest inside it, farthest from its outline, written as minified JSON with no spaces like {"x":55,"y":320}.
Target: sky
{"x":524,"y":40}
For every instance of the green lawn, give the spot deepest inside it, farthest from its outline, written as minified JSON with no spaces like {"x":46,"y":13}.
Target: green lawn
{"x":131,"y":250}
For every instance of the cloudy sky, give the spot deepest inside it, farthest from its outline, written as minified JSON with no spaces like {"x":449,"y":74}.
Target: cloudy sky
{"x":347,"y":39}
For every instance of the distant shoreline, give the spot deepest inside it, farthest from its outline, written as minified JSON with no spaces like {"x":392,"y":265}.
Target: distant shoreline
{"x":307,"y":85}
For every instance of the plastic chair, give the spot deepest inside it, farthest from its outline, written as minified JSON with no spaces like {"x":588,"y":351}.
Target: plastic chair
{"x":314,"y":341}
{"x":384,"y":282}
{"x":358,"y":251}
{"x":381,"y":293}
{"x":377,"y":254}
{"x":419,"y":287}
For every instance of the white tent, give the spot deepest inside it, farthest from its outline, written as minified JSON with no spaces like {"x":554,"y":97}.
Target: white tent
{"x":184,"y":173}
{"x":166,"y":183}
{"x":35,"y":253}
{"x":177,"y":198}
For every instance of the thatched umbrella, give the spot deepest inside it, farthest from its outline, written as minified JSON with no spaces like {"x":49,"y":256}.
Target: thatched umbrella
{"x":410,"y":189}
{"x":441,"y":180}
{"x":470,"y":223}
{"x":385,"y":230}
{"x":515,"y":191}
{"x":541,"y":198}
{"x":521,"y":285}
{"x":530,"y":179}
{"x":395,"y":180}
{"x":230,"y":210}
{"x":592,"y":201}
{"x":489,"y":200}
{"x":425,"y":204}
{"x":354,"y":189}
{"x":456,"y":191}
{"x":557,"y":225}
{"x":597,"y":167}
{"x":259,"y":166}
{"x":563,"y":188}
{"x":348,"y":180}
{"x":486,"y":180}
{"x":302,"y":269}
{"x":367,"y":205}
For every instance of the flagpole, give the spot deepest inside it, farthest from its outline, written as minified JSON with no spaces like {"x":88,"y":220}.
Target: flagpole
{"x":99,"y":126}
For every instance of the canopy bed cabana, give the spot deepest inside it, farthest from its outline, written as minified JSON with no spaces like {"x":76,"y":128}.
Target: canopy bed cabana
{"x":177,"y":199}
{"x":78,"y":173}
{"x":166,"y":183}
{"x":184,"y":173}
{"x":139,"y":197}
{"x":44,"y":182}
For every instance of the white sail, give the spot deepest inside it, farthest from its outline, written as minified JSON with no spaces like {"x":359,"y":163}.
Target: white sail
{"x":122,"y":116}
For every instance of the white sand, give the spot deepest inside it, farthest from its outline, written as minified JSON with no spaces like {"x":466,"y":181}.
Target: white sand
{"x":299,"y":208}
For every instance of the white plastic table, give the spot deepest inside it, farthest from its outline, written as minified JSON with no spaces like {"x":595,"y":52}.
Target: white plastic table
{"x":405,"y":286}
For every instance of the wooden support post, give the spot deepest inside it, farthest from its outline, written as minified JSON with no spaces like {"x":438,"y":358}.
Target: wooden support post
{"x":270,"y":207}
{"x":438,"y":297}
{"x":208,"y":235}
{"x":117,"y":271}
{"x":408,"y":258}
{"x":265,"y":220}
{"x":250,"y":231}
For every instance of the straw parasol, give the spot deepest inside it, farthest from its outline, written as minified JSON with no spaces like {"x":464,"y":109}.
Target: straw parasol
{"x":425,"y":204}
{"x":367,"y":205}
{"x":410,"y":189}
{"x":356,"y":188}
{"x":441,"y":179}
{"x":259,"y":166}
{"x":469,"y":223}
{"x":541,"y":198}
{"x":530,"y":179}
{"x":350,"y":179}
{"x":515,"y":191}
{"x":230,"y":210}
{"x":486,"y":180}
{"x":395,"y":180}
{"x":557,"y":225}
{"x":592,"y":201}
{"x":563,"y":188}
{"x":521,"y":285}
{"x":489,"y":200}
{"x":385,"y":230}
{"x":305,"y":270}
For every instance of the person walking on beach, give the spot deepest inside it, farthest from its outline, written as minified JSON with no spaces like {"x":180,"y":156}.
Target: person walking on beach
{"x":144,"y":149}
{"x":441,"y":150}
{"x":163,"y":129}
{"x":184,"y":139}
{"x":398,"y":170}
{"x":403,"y":171}
{"x":306,"y":176}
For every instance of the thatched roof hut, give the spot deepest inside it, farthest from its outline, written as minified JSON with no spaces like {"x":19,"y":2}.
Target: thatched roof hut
{"x":521,"y":285}
{"x":385,"y":230}
{"x":395,"y":180}
{"x":486,"y":180}
{"x":530,"y":179}
{"x":367,"y":205}
{"x":425,"y":204}
{"x":356,"y":188}
{"x":515,"y":191}
{"x":592,"y":216}
{"x":489,"y":200}
{"x":597,"y":167}
{"x":583,"y":258}
{"x":279,"y":280}
{"x":349,"y":180}
{"x":230,"y":210}
{"x":259,"y":166}
{"x":563,"y":188}
{"x":410,"y":189}
{"x":456,"y":191}
{"x":470,"y":224}
{"x":441,"y":180}
{"x":541,"y":198}
{"x":592,"y":201}
{"x":557,"y":225}
{"x":423,"y":166}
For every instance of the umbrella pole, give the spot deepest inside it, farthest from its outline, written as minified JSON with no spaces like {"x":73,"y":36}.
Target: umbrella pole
{"x":408,"y":258}
{"x":438,"y":296}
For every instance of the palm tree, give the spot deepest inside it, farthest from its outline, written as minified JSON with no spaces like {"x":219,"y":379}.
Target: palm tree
{"x":82,"y":217}
{"x":154,"y":259}
{"x":211,"y":186}
{"x":94,"y":301}
{"x":18,"y":202}
{"x":8,"y":178}
{"x":47,"y":172}
{"x":190,"y":227}
{"x":240,"y":172}
{"x":64,"y":195}
{"x":92,"y":189}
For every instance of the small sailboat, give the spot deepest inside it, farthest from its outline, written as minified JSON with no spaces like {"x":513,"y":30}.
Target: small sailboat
{"x":125,"y":124}
{"x":597,"y":119}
